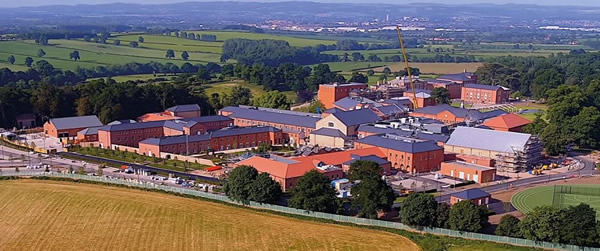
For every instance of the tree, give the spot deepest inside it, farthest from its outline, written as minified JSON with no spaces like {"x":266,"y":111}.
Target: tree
{"x":272,"y":99}
{"x":542,"y":224}
{"x":81,"y":171}
{"x":87,"y":38}
{"x":370,"y":72}
{"x":185,"y":55}
{"x":239,"y":96}
{"x":509,"y":226}
{"x":313,"y":192}
{"x":442,"y":215}
{"x":41,"y":53}
{"x":117,"y":42}
{"x":170,"y":54}
{"x":371,"y":193}
{"x":134,"y":44}
{"x":74,"y":55}
{"x":140,"y":39}
{"x":466,"y":216}
{"x":11,"y":59}
{"x":264,"y":189}
{"x":579,"y":225}
{"x":28,"y":61}
{"x":387,"y":71}
{"x":239,"y":183}
{"x":358,"y":78}
{"x":419,"y":209}
{"x":440,"y":95}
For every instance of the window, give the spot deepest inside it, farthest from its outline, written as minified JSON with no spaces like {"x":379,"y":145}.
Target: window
{"x":330,"y":124}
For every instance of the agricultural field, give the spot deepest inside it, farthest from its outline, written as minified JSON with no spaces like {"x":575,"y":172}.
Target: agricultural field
{"x":294,"y":41}
{"x":49,"y":215}
{"x":526,"y":200}
{"x":434,"y":68}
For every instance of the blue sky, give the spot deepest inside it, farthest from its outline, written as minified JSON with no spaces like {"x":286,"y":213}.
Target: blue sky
{"x":17,"y":3}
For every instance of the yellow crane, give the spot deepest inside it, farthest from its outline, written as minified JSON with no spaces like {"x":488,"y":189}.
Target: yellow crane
{"x":412,"y":85}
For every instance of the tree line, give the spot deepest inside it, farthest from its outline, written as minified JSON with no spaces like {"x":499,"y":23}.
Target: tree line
{"x":535,"y":76}
{"x":271,"y":52}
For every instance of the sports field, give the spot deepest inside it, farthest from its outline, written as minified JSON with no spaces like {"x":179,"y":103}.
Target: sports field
{"x":526,"y":200}
{"x":48,"y":215}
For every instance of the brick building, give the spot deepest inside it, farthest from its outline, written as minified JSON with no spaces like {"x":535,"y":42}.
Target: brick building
{"x":223,"y":139}
{"x":172,"y":113}
{"x":367,"y":130}
{"x":329,"y":93}
{"x":69,"y":127}
{"x":296,"y":126}
{"x":453,"y":115}
{"x":468,"y":171}
{"x":406,"y":154}
{"x":460,"y":78}
{"x":485,"y":94}
{"x":477,"y":196}
{"x":508,"y":122}
{"x":454,"y":89}
{"x":130,"y":134}
{"x":287,"y":171}
{"x":423,"y":98}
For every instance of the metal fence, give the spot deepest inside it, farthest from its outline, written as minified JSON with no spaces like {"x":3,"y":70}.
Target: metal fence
{"x":327,"y":216}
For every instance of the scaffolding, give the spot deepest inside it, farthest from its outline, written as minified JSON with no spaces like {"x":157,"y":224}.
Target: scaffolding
{"x":520,"y":159}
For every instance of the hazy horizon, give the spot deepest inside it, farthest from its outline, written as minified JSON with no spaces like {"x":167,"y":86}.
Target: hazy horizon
{"x":25,"y":3}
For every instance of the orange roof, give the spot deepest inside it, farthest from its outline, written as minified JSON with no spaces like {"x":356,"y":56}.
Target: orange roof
{"x":510,"y":120}
{"x":296,"y":167}
{"x":156,"y":116}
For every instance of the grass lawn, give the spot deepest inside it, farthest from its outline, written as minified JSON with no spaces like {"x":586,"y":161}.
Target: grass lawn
{"x":526,"y":200}
{"x":294,"y":41}
{"x":54,"y":215}
{"x":256,"y":90}
{"x":175,"y":165}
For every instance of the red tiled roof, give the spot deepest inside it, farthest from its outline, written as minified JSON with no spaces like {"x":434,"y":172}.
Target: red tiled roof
{"x":510,"y":120}
{"x":156,"y":116}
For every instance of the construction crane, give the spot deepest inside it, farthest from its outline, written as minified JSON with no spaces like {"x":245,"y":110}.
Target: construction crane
{"x":412,"y":85}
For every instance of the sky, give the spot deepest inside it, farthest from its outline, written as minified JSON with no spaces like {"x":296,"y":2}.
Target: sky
{"x":20,"y":3}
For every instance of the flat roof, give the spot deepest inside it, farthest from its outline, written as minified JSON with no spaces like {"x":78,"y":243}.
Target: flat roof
{"x":274,"y":116}
{"x":471,"y":165}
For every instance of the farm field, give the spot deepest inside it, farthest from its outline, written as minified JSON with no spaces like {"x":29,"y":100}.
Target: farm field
{"x":526,"y":200}
{"x":92,"y":54}
{"x":355,"y":66}
{"x":294,"y":41}
{"x":52,"y":215}
{"x":434,"y":68}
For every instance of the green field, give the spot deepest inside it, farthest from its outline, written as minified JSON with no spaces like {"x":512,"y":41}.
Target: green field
{"x":294,"y":41}
{"x":256,"y":90}
{"x":526,"y":200}
{"x":51,"y":215}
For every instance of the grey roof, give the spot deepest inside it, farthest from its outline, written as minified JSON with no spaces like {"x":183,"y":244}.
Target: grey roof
{"x":498,"y":141}
{"x":184,"y":108}
{"x":333,"y":110}
{"x":348,"y":103}
{"x":391,"y":109}
{"x":405,"y":133}
{"x":440,"y":81}
{"x":285,"y":117}
{"x":473,"y":193}
{"x":463,"y":76}
{"x":373,"y":158}
{"x":192,"y":121}
{"x":76,"y":122}
{"x":231,"y":131}
{"x":400,"y":143}
{"x":460,"y":112}
{"x":125,"y":121}
{"x":177,"y":125}
{"x":329,"y":132}
{"x":485,"y":87}
{"x":89,"y":131}
{"x":345,"y":84}
{"x":472,"y":166}
{"x":356,"y":117}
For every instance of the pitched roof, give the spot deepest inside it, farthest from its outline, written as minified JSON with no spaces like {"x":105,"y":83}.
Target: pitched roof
{"x":406,"y":133}
{"x":184,"y":108}
{"x":75,"y":122}
{"x":349,"y":103}
{"x":373,"y":158}
{"x":469,"y":194}
{"x":124,"y":121}
{"x":484,"y":87}
{"x":207,"y":119}
{"x":231,"y":131}
{"x":510,"y":120}
{"x":333,"y":110}
{"x":345,"y":84}
{"x":400,"y":143}
{"x":463,"y":76}
{"x":390,"y":109}
{"x":329,"y":132}
{"x":89,"y":131}
{"x":356,"y":117}
{"x":498,"y":141}
{"x":274,"y":116}
{"x":172,"y":124}
{"x":459,"y":112}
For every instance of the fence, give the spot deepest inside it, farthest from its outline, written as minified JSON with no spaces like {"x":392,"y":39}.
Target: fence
{"x":327,"y":216}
